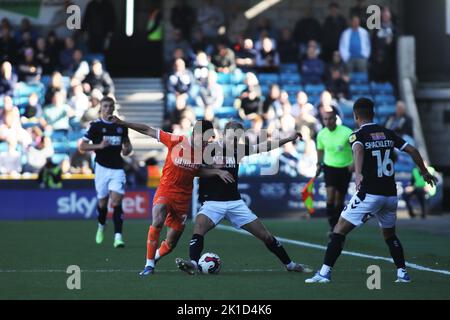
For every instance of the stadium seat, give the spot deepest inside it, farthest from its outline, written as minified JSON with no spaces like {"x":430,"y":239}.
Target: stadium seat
{"x":199,"y":112}
{"x":382,"y":88}
{"x":359,"y":77}
{"x":290,"y":78}
{"x":314,"y":89}
{"x":288,"y":68}
{"x":264,"y":90}
{"x":359,"y":89}
{"x":385,"y":99}
{"x":357,"y":96}
{"x":58,"y":136}
{"x":268,"y":78}
{"x":238,"y":77}
{"x":228,"y":100}
{"x":385,"y":110}
{"x":226,"y":112}
{"x":292,"y":89}
{"x":237,"y":89}
{"x":223,"y":78}
{"x":57,"y":158}
{"x":227,"y":89}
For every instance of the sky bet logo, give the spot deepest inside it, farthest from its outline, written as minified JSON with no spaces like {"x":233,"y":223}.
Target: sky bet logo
{"x":135,"y":205}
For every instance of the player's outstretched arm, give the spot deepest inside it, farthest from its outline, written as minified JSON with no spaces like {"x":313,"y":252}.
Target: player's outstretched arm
{"x":139,"y":127}
{"x":211,"y":172}
{"x":277,"y":143}
{"x":358,"y":157}
{"x":127,"y":148}
{"x":418,"y":160}
{"x":85,"y":146}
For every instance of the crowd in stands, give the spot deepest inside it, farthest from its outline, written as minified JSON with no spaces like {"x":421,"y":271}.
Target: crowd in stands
{"x":280,"y":80}
{"x":50,"y":90}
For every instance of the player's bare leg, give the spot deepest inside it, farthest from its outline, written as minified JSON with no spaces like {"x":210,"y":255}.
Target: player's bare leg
{"x":102,"y":210}
{"x":396,"y":251}
{"x":116,"y":203}
{"x":168,"y":244}
{"x":334,"y":249}
{"x":159,"y":214}
{"x":259,"y":230}
{"x":202,"y":225}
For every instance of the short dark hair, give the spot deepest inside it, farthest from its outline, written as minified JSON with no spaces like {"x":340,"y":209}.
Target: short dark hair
{"x":363,"y":108}
{"x":108,"y":100}
{"x":234,"y":125}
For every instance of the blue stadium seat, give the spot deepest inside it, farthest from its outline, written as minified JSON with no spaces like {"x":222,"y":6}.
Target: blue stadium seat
{"x":292,"y":89}
{"x":385,"y":110}
{"x":288,"y":68}
{"x":265,"y":90}
{"x":238,"y":77}
{"x":58,"y":136}
{"x":57,"y":158}
{"x":268,"y":78}
{"x":314,"y":99}
{"x":61,"y":147}
{"x":357,"y":96}
{"x":314,"y":89}
{"x":3,"y":147}
{"x":359,"y":77}
{"x":226,"y":112}
{"x":223,"y":78}
{"x":228,"y":100}
{"x":237,"y":89}
{"x":290,"y":78}
{"x":199,"y":112}
{"x":359,"y":89}
{"x":382,"y":88}
{"x":384,"y":99}
{"x":227,"y":89}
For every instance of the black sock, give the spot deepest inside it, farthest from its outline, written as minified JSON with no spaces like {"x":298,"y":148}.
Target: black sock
{"x":118,"y":219}
{"x":196,"y":247}
{"x":396,"y":250}
{"x":334,"y":249}
{"x":277,"y":248}
{"x":102,"y":215}
{"x":331,"y":213}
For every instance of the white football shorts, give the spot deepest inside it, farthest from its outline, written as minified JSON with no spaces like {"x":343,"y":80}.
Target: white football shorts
{"x":107,"y":180}
{"x":236,"y":212}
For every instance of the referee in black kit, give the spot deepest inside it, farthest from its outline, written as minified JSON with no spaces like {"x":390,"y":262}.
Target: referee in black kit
{"x":109,"y":141}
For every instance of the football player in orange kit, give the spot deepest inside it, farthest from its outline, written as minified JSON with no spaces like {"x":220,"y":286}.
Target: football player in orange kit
{"x":173,"y":196}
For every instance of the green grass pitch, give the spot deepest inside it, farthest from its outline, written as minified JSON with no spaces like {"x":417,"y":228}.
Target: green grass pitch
{"x":34,"y":256}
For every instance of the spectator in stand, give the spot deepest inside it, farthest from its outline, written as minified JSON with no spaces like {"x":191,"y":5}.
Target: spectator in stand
{"x":337,"y":63}
{"x":66,"y":55}
{"x":181,"y":82}
{"x":174,"y":117}
{"x":399,"y":121}
{"x":211,"y":96}
{"x":179,"y":53}
{"x":287,"y":120}
{"x":99,"y":23}
{"x":338,"y":86}
{"x":332,"y":29}
{"x":56,"y":116}
{"x":10,"y":124}
{"x":199,"y":43}
{"x":79,"y":68}
{"x":182,"y":17}
{"x":209,"y":19}
{"x":10,"y":160}
{"x":30,"y":70}
{"x":202,"y":68}
{"x":26,"y":27}
{"x":359,"y":10}
{"x":264,"y":29}
{"x":24,"y":43}
{"x":53,"y":46}
{"x":8,"y":45}
{"x":224,"y":59}
{"x":56,"y":85}
{"x":328,"y":104}
{"x":250,"y":99}
{"x":383,"y":44}
{"x":354,"y":46}
{"x":308,"y":162}
{"x":33,"y":109}
{"x":79,"y":101}
{"x":271,"y":107}
{"x":93,"y":112}
{"x":99,"y":79}
{"x":268,"y":59}
{"x":313,"y":68}
{"x":306,"y":29}
{"x":303,"y":111}
{"x":287,"y":47}
{"x":39,"y":151}
{"x":177,"y":41}
{"x":8,"y":80}
{"x":42,"y":56}
{"x":246,"y":55}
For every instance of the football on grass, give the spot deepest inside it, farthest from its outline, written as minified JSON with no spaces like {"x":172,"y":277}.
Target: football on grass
{"x":209,"y":263}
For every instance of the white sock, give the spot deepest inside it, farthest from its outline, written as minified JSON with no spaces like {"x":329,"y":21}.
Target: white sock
{"x":150,"y":263}
{"x":101,"y":226}
{"x":157,"y":256}
{"x":117,"y":236}
{"x":194,"y":263}
{"x":290,"y":265}
{"x":325,"y":270}
{"x":401,"y":272}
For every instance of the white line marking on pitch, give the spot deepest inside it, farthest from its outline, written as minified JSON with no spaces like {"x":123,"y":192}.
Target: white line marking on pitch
{"x":349,"y":253}
{"x":124,"y":270}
